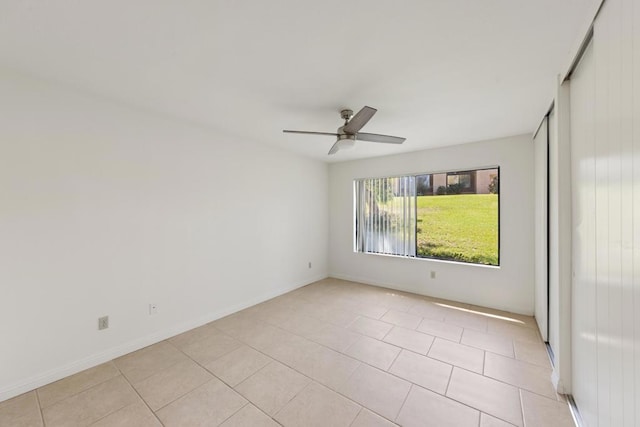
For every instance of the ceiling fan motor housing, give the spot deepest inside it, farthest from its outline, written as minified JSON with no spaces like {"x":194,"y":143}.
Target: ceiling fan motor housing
{"x":345,"y":136}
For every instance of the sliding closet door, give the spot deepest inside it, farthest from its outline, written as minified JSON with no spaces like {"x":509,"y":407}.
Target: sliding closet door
{"x":605,"y":144}
{"x":553,"y":337}
{"x":584,"y":180}
{"x":541,"y":148}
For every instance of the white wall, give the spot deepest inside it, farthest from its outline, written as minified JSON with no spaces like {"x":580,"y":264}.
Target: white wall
{"x":605,"y":144}
{"x":105,"y":209}
{"x":509,"y":287}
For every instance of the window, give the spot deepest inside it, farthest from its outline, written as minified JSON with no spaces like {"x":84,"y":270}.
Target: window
{"x":449,"y":216}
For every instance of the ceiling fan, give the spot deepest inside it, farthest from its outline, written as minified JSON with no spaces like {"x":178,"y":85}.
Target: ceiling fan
{"x":350,"y":131}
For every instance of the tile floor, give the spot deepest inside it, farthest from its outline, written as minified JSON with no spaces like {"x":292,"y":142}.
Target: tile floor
{"x":332,"y":353}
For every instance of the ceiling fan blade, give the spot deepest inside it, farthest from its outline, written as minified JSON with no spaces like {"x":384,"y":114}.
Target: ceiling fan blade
{"x":304,"y":132}
{"x":334,"y":148}
{"x":374,"y":137}
{"x":359,"y":120}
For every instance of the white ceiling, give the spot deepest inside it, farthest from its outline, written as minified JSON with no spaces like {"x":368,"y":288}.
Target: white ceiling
{"x":439,"y":71}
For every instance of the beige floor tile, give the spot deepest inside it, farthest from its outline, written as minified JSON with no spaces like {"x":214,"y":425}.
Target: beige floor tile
{"x":208,"y":405}
{"x":314,"y":291}
{"x":396,"y":300}
{"x":136,"y":414}
{"x":327,"y":367}
{"x":21,"y":411}
{"x":369,"y":310}
{"x":446,"y":304}
{"x":143,"y":363}
{"x":542,"y":412}
{"x":66,"y":387}
{"x":489,"y":342}
{"x":169,"y":384}
{"x":249,"y":416}
{"x":311,"y":308}
{"x":288,"y":301}
{"x":422,"y":370}
{"x":264,"y":336}
{"x":194,"y":335}
{"x":370,"y":327}
{"x":505,"y":316}
{"x":535,"y":353}
{"x":302,"y":325}
{"x":466,"y":357}
{"x":290,"y":348}
{"x":488,"y":395}
{"x":440,"y":329}
{"x":254,"y":311}
{"x":277,"y":315}
{"x":466,"y":320}
{"x":366,"y":418}
{"x":272,"y":387}
{"x":374,"y":352}
{"x":513,"y":331}
{"x":238,"y":365}
{"x":286,"y":305}
{"x":376,"y":390}
{"x":318,"y":406}
{"x":335,"y":337}
{"x":400,"y":318}
{"x":337,"y":316}
{"x":409,"y":339}
{"x":428,"y":310}
{"x":209,"y":348}
{"x":368,"y":295}
{"x":424,"y":407}
{"x":487,"y":420}
{"x":520,"y":374}
{"x":91,"y":405}
{"x":239,"y":324}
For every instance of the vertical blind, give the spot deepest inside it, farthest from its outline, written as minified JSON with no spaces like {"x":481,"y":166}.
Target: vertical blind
{"x":386,"y":215}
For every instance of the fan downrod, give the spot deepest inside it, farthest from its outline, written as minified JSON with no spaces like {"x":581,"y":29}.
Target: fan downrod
{"x":346,"y":115}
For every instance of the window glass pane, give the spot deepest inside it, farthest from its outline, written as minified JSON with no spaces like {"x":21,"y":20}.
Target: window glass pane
{"x":460,"y":225}
{"x":423,"y":185}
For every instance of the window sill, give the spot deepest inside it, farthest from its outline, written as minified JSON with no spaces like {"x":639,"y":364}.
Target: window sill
{"x":465,"y":264}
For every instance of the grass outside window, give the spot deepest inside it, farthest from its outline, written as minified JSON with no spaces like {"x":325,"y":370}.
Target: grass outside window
{"x":460,"y":227}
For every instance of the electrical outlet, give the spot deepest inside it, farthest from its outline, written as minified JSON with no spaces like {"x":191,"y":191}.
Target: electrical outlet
{"x":103,"y":323}
{"x":153,"y":309}
{"x":309,"y":264}
{"x":433,"y":274}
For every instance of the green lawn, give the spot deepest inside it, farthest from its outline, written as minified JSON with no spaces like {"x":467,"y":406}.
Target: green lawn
{"x":460,"y":227}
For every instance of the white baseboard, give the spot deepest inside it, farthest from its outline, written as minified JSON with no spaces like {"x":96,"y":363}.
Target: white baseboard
{"x":394,"y":286}
{"x":58,"y":373}
{"x":368,"y":281}
{"x":558,"y":384}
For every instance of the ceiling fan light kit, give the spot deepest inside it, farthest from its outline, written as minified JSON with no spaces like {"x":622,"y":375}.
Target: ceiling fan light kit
{"x":344,"y":142}
{"x":350,"y":131}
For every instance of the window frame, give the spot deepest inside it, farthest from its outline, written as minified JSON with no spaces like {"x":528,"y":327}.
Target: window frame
{"x":415,"y":233}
